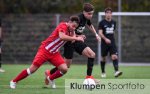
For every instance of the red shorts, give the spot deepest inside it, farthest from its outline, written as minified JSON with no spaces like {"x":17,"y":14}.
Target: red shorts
{"x":43,"y":55}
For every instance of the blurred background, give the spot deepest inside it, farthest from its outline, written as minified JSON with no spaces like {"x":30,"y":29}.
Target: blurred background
{"x":25,"y":23}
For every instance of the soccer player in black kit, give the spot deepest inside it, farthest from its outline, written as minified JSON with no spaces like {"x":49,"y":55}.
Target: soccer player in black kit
{"x":1,"y":70}
{"x":81,"y":47}
{"x":106,"y":30}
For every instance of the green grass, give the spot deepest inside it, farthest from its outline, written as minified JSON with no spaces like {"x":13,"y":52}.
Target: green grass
{"x":34,"y":84}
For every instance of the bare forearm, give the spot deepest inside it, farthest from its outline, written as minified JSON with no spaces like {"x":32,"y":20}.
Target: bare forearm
{"x":92,"y":29}
{"x":102,"y":35}
{"x":66,"y":37}
{"x":69,"y":38}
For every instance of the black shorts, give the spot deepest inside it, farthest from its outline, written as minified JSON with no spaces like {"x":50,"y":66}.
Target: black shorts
{"x":108,"y":48}
{"x":69,"y":48}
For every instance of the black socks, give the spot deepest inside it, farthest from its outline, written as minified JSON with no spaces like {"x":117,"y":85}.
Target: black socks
{"x":103,"y":66}
{"x":115,"y":63}
{"x":90,"y":66}
{"x":53,"y":70}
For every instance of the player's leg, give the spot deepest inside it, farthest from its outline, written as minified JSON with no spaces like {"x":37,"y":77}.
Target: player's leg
{"x":22,"y":75}
{"x":1,"y":70}
{"x":102,"y":64}
{"x":90,"y":63}
{"x":68,"y":55}
{"x":62,"y":68}
{"x":37,"y":62}
{"x":67,"y":61}
{"x":50,"y":72}
{"x":25,"y":73}
{"x":83,"y":49}
{"x":114,"y":57}
{"x":88,"y":52}
{"x":104,"y":52}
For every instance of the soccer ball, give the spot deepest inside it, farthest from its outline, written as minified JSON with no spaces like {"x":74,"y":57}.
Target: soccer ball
{"x":89,"y":82}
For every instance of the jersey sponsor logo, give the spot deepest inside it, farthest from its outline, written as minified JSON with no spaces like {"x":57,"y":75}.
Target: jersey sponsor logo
{"x":110,"y":30}
{"x":80,"y":29}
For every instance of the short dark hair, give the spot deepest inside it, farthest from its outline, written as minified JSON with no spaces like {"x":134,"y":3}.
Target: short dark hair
{"x":108,"y":9}
{"x":75,"y":18}
{"x":87,"y":7}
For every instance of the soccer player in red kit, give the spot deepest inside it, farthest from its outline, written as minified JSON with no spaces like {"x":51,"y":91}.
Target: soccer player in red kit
{"x":49,"y":51}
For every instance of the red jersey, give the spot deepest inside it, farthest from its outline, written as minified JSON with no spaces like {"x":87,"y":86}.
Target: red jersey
{"x":53,"y":43}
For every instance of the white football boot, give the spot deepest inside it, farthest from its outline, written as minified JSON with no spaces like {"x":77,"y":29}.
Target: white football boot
{"x":103,"y":75}
{"x":12,"y":85}
{"x":118,"y":73}
{"x":51,"y":82}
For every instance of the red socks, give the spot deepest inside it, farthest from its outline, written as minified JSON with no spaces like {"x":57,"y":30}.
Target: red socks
{"x":21,"y":76}
{"x":55,"y":75}
{"x":25,"y":73}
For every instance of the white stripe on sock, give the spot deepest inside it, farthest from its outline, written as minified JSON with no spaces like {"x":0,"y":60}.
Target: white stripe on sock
{"x":48,"y":78}
{"x":61,"y":73}
{"x":28,"y":71}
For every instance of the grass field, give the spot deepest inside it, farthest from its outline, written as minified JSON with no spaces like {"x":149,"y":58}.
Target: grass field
{"x":34,"y":84}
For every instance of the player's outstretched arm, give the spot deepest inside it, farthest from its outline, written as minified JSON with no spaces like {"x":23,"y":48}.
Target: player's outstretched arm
{"x":65,"y":37}
{"x":92,"y":29}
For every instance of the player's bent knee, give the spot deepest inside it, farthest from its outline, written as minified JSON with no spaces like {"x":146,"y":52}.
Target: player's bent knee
{"x":103,"y":59}
{"x":64,"y":70}
{"x":91,"y":55}
{"x":94,"y":55}
{"x":32,"y":69}
{"x":68,"y":66}
{"x":114,"y":57}
{"x":88,"y":53}
{"x":68,"y":61}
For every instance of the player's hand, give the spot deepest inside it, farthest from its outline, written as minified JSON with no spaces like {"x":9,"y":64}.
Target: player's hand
{"x":108,"y":41}
{"x":80,"y":39}
{"x":98,"y":38}
{"x":83,"y":36}
{"x":73,"y":41}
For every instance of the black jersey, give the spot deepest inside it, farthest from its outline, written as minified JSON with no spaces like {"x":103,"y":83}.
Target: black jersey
{"x":108,"y":28}
{"x":83,"y":22}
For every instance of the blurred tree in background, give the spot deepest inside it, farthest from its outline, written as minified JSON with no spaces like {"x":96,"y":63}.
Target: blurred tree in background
{"x":69,"y":6}
{"x":27,"y":22}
